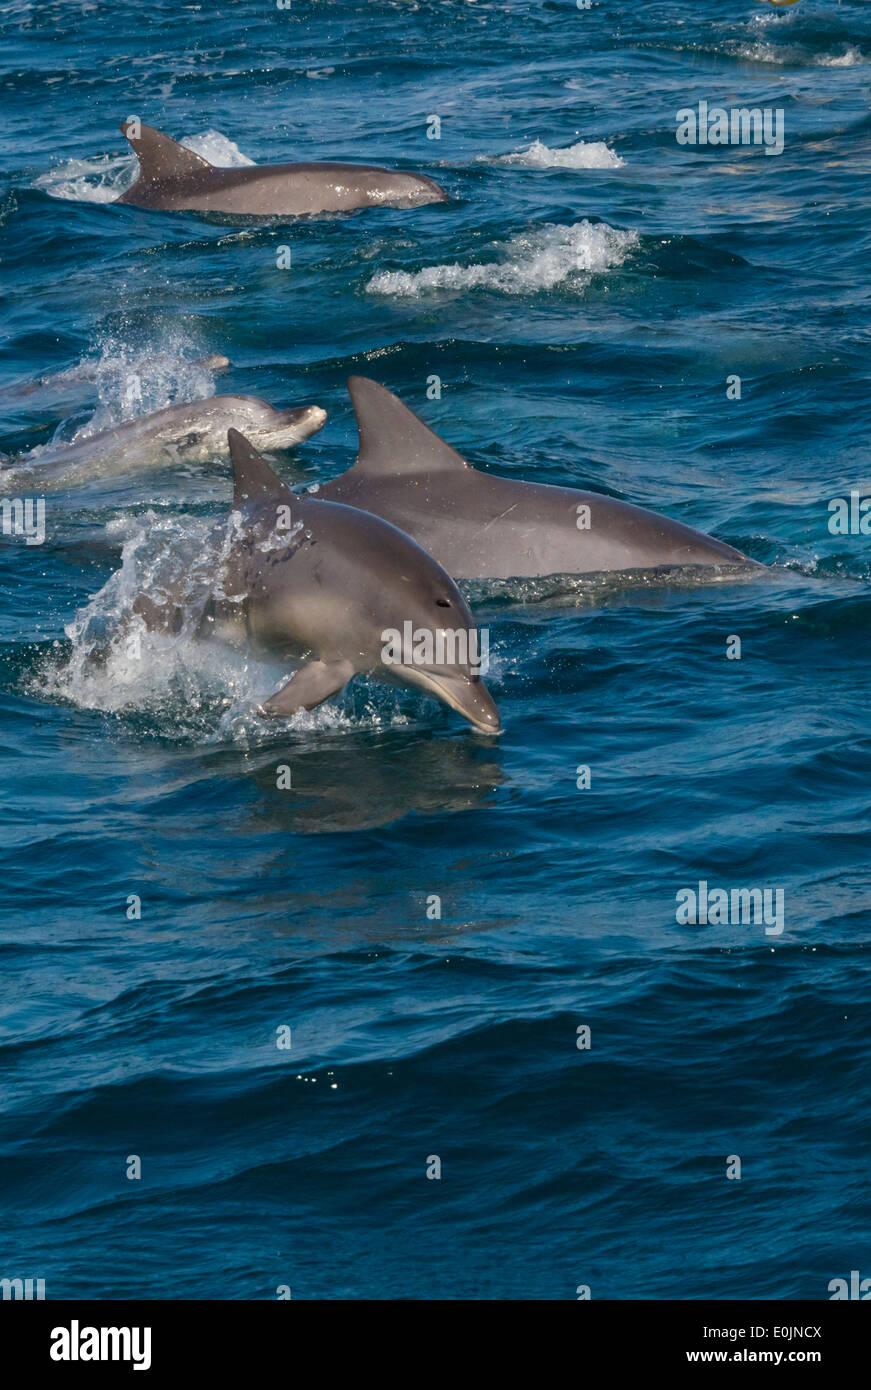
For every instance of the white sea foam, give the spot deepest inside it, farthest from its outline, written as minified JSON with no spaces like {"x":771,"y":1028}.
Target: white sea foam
{"x":851,"y":59}
{"x":792,"y":55}
{"x":120,"y":371}
{"x":99,"y":180}
{"x":217,"y":149}
{"x":104,"y":178}
{"x":592,"y":154}
{"x":549,"y":257}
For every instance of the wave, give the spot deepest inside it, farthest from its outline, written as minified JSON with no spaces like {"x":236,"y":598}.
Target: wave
{"x":592,"y":154}
{"x":544,"y":259}
{"x":104,"y":178}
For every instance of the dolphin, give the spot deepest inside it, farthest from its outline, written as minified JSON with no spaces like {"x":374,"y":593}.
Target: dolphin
{"x":189,"y":432}
{"x":480,"y":526}
{"x":327,"y":584}
{"x":175,"y":179}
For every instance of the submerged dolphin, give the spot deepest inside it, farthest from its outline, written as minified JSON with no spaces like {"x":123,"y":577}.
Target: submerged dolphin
{"x":480,"y":526}
{"x":175,"y":179}
{"x":190,"y":432}
{"x":328,"y":584}
{"x":86,"y":372}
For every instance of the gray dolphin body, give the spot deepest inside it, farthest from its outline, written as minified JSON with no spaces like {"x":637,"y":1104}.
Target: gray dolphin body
{"x":191,"y":432}
{"x":325,"y":583}
{"x":175,"y":179}
{"x":479,"y":526}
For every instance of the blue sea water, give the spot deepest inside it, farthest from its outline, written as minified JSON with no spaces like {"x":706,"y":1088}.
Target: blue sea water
{"x":457,"y":1037}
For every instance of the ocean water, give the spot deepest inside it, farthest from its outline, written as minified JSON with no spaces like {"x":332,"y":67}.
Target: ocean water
{"x":583,"y":299}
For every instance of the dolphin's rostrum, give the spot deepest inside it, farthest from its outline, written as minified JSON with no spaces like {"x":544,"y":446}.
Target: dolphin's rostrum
{"x":324,"y":583}
{"x":174,"y":179}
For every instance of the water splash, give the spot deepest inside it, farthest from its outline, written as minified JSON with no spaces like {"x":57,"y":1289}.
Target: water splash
{"x":103,"y":178}
{"x":794,"y":55}
{"x":136,"y":378}
{"x":592,"y":154}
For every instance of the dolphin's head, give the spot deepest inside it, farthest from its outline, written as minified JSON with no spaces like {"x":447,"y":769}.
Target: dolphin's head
{"x":458,"y":686}
{"x":268,"y":429}
{"x":429,"y":640}
{"x":216,"y":362}
{"x":199,"y":430}
{"x":396,"y":188}
{"x":420,"y":190}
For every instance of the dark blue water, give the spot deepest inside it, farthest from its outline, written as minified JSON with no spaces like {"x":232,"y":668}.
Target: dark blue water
{"x":456,"y":1037}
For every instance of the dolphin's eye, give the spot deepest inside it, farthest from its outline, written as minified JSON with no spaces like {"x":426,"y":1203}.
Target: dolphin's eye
{"x":192,"y":439}
{"x":443,"y":602}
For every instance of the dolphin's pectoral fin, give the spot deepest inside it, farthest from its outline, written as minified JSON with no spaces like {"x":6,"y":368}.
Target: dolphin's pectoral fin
{"x":161,"y":160}
{"x":392,"y":438}
{"x":307,"y":687}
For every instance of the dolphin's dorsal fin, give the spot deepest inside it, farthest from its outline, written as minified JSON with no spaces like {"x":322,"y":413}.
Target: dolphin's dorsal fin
{"x":162,"y":160}
{"x":252,"y":476}
{"x":392,"y":438}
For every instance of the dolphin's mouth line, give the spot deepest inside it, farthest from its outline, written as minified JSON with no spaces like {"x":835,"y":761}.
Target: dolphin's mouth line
{"x":277,"y":438}
{"x":430,"y":683}
{"x":294,"y":428}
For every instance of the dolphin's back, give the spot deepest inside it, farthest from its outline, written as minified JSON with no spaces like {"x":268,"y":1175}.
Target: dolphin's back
{"x":480,"y":526}
{"x":483,"y":527}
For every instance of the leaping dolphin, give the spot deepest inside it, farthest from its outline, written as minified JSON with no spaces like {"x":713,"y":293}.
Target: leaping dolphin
{"x":175,"y":179}
{"x":331,"y":585}
{"x":480,"y":526}
{"x":190,"y":432}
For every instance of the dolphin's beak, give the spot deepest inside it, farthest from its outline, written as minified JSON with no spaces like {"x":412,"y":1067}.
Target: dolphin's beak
{"x":469,"y":697}
{"x":216,"y":363}
{"x":293,"y":427}
{"x":439,"y":194}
